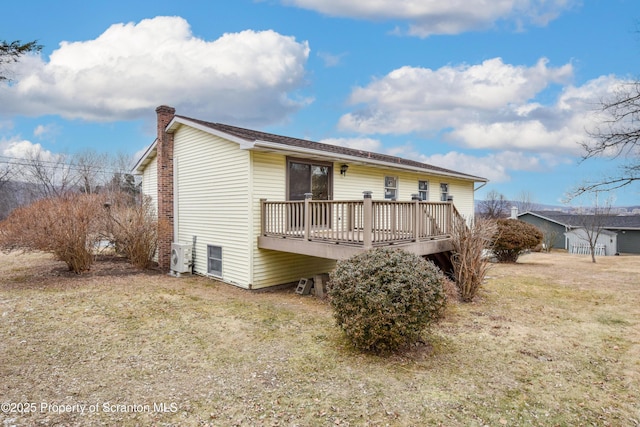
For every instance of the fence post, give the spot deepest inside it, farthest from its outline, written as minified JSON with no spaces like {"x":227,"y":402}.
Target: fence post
{"x":307,"y":215}
{"x":367,"y":219}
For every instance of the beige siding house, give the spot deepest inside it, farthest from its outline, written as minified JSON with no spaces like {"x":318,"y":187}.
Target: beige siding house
{"x":259,"y":210}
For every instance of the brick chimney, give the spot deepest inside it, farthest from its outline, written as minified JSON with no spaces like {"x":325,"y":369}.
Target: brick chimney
{"x":165,"y":186}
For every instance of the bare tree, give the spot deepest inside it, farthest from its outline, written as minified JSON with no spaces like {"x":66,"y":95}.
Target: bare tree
{"x":5,"y":174}
{"x":525,"y":202}
{"x":494,"y":206}
{"x":91,"y":169}
{"x":592,"y":222}
{"x":617,"y":135}
{"x":121,"y":180}
{"x":49,"y":176}
{"x":549,"y":236}
{"x":6,"y":195}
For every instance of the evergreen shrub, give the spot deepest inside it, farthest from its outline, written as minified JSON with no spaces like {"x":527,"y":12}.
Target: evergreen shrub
{"x":514,"y":237}
{"x":384,"y":299}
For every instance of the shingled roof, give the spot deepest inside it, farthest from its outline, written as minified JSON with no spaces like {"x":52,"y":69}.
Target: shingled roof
{"x":336,"y":150}
{"x":618,"y":222}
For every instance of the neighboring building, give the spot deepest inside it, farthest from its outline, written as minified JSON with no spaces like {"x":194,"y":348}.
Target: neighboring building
{"x":621,"y":234}
{"x":578,"y":242}
{"x":260,"y":209}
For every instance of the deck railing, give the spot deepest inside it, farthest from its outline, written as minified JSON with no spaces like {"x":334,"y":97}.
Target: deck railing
{"x":359,"y":222}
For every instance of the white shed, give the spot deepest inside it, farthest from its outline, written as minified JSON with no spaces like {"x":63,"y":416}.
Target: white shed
{"x":578,"y":242}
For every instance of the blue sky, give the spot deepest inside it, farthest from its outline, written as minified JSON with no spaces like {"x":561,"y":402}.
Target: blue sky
{"x":502,"y":89}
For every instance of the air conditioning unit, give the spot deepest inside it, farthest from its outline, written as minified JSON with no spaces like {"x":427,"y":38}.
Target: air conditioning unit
{"x":180,"y":258}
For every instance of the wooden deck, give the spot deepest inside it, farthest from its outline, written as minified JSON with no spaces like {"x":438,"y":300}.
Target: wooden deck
{"x":339,"y":229}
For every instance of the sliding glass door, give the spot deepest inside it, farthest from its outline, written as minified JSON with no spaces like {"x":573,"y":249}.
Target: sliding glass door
{"x":310,"y":177}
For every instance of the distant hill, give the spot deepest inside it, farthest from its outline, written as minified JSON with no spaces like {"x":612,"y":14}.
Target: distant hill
{"x":616,"y":210}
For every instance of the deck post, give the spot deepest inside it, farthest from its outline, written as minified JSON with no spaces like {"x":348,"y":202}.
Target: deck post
{"x":417,"y":217}
{"x":307,"y":216}
{"x":367,"y":220}
{"x":263,"y":217}
{"x":448,"y":219}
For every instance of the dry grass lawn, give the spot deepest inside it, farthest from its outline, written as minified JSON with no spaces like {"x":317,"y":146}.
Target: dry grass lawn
{"x":553,"y":340}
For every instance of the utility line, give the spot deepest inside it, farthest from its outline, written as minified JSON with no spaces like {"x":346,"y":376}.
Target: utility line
{"x":21,"y":161}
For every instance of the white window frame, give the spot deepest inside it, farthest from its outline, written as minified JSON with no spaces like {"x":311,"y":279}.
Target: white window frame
{"x":391,"y":187}
{"x":444,"y":191}
{"x":423,"y":190}
{"x":211,"y":258}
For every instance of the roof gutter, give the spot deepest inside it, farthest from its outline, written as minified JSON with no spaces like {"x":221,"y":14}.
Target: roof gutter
{"x":138,"y":167}
{"x":348,"y":158}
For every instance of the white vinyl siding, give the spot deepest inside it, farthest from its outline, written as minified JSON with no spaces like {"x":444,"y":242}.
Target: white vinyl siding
{"x":273,"y":267}
{"x":462,"y":192}
{"x":150,"y":183}
{"x":367,"y":178}
{"x":212,"y":193}
{"x":150,"y":188}
{"x":218,"y":191}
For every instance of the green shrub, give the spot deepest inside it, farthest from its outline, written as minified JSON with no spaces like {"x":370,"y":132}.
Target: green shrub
{"x":383,"y":299}
{"x":513,"y":237}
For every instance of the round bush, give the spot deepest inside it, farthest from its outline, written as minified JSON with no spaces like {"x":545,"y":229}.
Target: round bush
{"x":513,"y":237}
{"x":383,"y":299}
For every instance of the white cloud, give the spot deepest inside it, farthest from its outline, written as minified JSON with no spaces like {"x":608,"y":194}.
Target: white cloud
{"x":413,"y":99}
{"x":496,"y":167}
{"x":491,"y":105}
{"x":427,"y":17}
{"x":485,"y":167}
{"x":43,"y":131}
{"x":247,"y":77}
{"x":331,"y":60}
{"x":556,"y":128}
{"x":24,"y":149}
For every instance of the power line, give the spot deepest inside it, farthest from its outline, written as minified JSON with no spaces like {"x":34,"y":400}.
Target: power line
{"x":51,"y":165}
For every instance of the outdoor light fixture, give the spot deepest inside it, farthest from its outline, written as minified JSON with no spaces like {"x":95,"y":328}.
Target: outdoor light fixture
{"x":343,"y":169}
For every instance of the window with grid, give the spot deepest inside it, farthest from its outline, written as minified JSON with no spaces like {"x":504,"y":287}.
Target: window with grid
{"x":423,"y":190}
{"x":391,"y":187}
{"x":444,"y":192}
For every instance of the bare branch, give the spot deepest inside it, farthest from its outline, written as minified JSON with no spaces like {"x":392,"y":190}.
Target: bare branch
{"x":617,"y":136}
{"x":494,"y":206}
{"x":50,"y":177}
{"x":593,"y":222}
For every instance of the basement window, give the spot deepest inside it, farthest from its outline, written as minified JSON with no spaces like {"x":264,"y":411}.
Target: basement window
{"x":214,"y":260}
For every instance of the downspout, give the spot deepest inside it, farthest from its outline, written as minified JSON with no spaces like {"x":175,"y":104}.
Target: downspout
{"x":483,"y":184}
{"x":474,"y":197}
{"x":193,"y":255}
{"x":176,"y":203}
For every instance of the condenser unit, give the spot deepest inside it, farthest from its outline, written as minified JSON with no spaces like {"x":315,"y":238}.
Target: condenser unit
{"x":180,"y":258}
